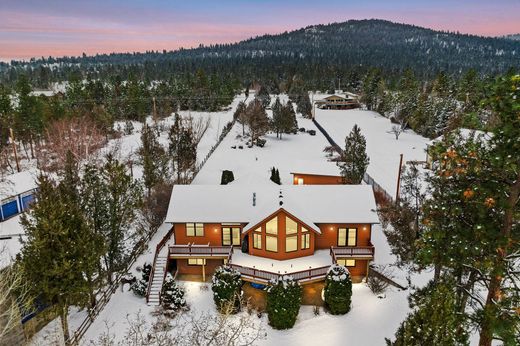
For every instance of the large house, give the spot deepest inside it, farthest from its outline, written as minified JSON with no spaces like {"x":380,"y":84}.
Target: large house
{"x":266,"y":231}
{"x":338,"y":102}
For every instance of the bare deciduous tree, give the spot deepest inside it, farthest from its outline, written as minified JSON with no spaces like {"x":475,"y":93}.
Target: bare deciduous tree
{"x":13,"y":291}
{"x":82,"y":136}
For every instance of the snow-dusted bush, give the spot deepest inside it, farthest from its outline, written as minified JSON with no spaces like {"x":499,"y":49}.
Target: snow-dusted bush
{"x":172,"y":296}
{"x":338,"y":290}
{"x":226,"y":287}
{"x":140,"y":287}
{"x":283,"y":302}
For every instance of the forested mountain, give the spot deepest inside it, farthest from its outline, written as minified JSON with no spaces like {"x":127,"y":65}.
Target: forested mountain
{"x":319,"y":54}
{"x":514,"y":37}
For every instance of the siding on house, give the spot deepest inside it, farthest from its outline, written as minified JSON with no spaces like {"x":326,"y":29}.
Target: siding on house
{"x":316,"y":179}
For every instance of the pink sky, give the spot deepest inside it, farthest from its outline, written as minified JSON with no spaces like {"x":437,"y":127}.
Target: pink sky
{"x":59,"y":27}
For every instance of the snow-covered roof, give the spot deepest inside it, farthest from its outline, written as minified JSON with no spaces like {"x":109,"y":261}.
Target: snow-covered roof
{"x":17,"y":183}
{"x":312,"y":204}
{"x":465,"y":134}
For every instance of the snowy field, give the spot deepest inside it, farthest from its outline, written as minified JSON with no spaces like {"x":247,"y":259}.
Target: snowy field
{"x":382,"y":147}
{"x":371,"y":318}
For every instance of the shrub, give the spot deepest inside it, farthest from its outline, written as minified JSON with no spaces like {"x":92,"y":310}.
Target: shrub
{"x":377,"y":284}
{"x":140,"y":287}
{"x":338,"y":290}
{"x":283,"y":302}
{"x":226,"y":287}
{"x":227,"y":177}
{"x":172,"y":296}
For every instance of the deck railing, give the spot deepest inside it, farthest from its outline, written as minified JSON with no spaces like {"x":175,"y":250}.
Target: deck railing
{"x":157,"y":250}
{"x":198,"y":250}
{"x":354,"y":251}
{"x":266,"y":276}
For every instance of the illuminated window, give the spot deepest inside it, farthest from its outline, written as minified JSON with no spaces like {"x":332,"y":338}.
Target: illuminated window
{"x":291,"y":227}
{"x":352,"y":233}
{"x":195,"y":229}
{"x":304,"y":229}
{"x":231,"y":235}
{"x":300,"y":181}
{"x":291,"y":243}
{"x":306,"y":241}
{"x":271,"y":226}
{"x":347,"y":262}
{"x":342,"y":236}
{"x":257,"y":240}
{"x":271,"y":243}
{"x":196,"y":261}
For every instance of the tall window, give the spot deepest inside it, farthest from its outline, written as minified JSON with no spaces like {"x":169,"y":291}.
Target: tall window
{"x":271,"y":227}
{"x":291,"y":227}
{"x":271,"y":243}
{"x":306,"y":240}
{"x":257,"y":240}
{"x":231,"y":236}
{"x":195,"y":229}
{"x":291,"y":243}
{"x":342,"y":236}
{"x":352,"y":236}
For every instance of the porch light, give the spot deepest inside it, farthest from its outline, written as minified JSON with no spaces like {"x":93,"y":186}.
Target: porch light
{"x":364,"y":228}
{"x":332,"y":228}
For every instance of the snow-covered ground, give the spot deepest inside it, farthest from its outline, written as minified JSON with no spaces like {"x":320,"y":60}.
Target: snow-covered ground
{"x":382,"y":147}
{"x":320,"y":258}
{"x":371,"y":318}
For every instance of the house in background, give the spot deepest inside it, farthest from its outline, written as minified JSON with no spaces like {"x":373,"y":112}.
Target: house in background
{"x":316,"y":179}
{"x":266,"y":231}
{"x":349,"y":101}
{"x":16,"y":193}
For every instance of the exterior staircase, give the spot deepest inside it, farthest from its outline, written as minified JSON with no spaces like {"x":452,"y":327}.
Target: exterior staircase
{"x":160,"y":262}
{"x":154,"y":293}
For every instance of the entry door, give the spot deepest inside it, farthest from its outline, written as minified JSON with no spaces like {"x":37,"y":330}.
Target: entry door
{"x":231,"y":236}
{"x":300,"y":181}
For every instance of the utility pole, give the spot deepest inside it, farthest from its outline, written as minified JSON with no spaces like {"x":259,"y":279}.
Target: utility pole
{"x":399,"y":179}
{"x":11,"y":134}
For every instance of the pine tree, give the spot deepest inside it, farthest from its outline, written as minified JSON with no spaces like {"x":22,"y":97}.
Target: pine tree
{"x":153,"y":158}
{"x":338,"y":290}
{"x":435,"y":319}
{"x":60,"y":251}
{"x":275,"y":176}
{"x":263,"y":96}
{"x":172,"y":296}
{"x":283,"y":302}
{"x":304,"y":106}
{"x":354,"y":160}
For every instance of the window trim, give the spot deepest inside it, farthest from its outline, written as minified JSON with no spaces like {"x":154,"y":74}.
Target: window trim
{"x":291,"y":220}
{"x":338,"y":236}
{"x":345,"y":261}
{"x":275,"y":219}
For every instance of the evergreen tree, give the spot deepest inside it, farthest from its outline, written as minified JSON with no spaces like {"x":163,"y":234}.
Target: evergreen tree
{"x":240,"y":115}
{"x":182,"y":149}
{"x":354,"y":160}
{"x":338,"y":290}
{"x":283,"y":302}
{"x":153,"y":158}
{"x":60,"y":251}
{"x":263,"y":96}
{"x":227,"y":289}
{"x":435,"y":319}
{"x":304,"y":106}
{"x":275,"y":176}
{"x":172,"y":296}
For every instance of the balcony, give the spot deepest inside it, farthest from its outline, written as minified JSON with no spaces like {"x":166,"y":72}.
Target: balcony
{"x":200,"y":251}
{"x":358,"y":252}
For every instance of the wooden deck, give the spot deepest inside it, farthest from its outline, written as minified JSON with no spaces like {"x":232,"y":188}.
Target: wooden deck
{"x":199,"y":251}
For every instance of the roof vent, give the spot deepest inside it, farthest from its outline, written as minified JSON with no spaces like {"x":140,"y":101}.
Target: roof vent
{"x":281,"y":202}
{"x":254,"y":199}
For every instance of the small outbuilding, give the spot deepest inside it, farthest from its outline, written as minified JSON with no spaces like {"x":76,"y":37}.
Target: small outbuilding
{"x":17,"y":192}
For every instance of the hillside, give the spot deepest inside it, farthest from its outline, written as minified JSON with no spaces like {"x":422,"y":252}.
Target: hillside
{"x":316,"y":52}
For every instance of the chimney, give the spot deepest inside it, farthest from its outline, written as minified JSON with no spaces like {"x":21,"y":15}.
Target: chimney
{"x":254,"y":199}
